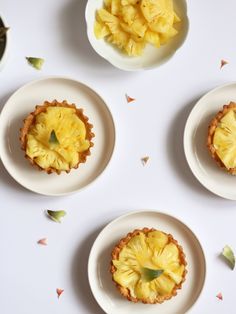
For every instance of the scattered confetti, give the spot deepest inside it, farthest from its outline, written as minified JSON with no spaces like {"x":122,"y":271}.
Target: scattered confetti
{"x":43,"y":241}
{"x":223,"y":63}
{"x":59,"y":292}
{"x":220,"y":296}
{"x":229,"y":255}
{"x":129,"y":99}
{"x":56,"y":215}
{"x":144,"y":160}
{"x":37,"y":63}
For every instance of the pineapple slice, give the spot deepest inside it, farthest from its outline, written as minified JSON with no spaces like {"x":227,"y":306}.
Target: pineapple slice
{"x":107,"y":4}
{"x":111,"y":21}
{"x":115,"y":7}
{"x":153,"y":38}
{"x":119,"y":39}
{"x":153,"y":251}
{"x":152,"y":8}
{"x":101,"y":30}
{"x":224,"y":139}
{"x":129,"y":13}
{"x":134,"y":48}
{"x":70,"y":132}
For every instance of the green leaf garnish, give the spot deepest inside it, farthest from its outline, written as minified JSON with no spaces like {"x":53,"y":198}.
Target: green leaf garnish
{"x":53,"y":138}
{"x":151,"y":274}
{"x":3,"y":31}
{"x":56,"y":215}
{"x":37,"y":63}
{"x":229,"y":255}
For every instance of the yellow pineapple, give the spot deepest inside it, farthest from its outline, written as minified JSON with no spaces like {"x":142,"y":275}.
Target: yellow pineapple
{"x":221,"y":139}
{"x":131,"y":24}
{"x":101,"y":30}
{"x":225,"y":139}
{"x":148,"y":266}
{"x":56,"y":137}
{"x":134,"y":48}
{"x":129,"y":13}
{"x":152,"y":38}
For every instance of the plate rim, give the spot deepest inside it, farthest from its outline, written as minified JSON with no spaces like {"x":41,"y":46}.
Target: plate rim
{"x":147,"y":211}
{"x":186,"y":140}
{"x":90,"y":87}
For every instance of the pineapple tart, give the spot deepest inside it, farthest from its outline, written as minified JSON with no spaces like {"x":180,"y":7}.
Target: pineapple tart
{"x":221,"y":140}
{"x":131,"y":24}
{"x":148,"y":265}
{"x":56,"y":137}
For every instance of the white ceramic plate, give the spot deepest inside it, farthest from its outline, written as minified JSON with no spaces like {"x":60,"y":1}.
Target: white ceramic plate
{"x":22,"y":102}
{"x":152,"y":57}
{"x":104,"y":289}
{"x":200,"y":162}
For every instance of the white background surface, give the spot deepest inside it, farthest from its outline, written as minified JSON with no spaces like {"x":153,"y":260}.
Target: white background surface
{"x":153,"y":125}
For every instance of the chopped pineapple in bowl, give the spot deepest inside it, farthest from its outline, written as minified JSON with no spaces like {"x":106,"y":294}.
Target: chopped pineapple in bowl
{"x":148,"y":265}
{"x":56,"y":137}
{"x":136,"y":34}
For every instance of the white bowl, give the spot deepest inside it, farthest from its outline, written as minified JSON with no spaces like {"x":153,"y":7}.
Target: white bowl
{"x":152,"y":57}
{"x":4,"y":53}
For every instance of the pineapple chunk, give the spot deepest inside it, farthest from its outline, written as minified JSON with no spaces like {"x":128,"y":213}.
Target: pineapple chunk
{"x":101,"y":30}
{"x":128,"y":14}
{"x":115,"y":7}
{"x":107,"y":4}
{"x":134,"y":48}
{"x":176,"y":18}
{"x":164,"y":38}
{"x":152,"y":8}
{"x":224,"y":139}
{"x":153,"y":38}
{"x":119,"y":39}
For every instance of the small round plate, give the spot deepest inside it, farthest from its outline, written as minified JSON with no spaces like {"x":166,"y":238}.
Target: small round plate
{"x":22,"y":102}
{"x":152,"y":57}
{"x":200,"y":162}
{"x":104,"y":289}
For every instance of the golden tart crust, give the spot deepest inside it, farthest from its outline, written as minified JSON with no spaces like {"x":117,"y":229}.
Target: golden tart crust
{"x":211,"y":131}
{"x":125,"y":291}
{"x":30,"y":120}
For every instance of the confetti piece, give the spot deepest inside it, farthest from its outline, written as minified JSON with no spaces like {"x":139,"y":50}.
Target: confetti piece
{"x":59,"y":292}
{"x":223,"y":63}
{"x":56,"y":215}
{"x":229,"y":256}
{"x":43,"y":241}
{"x":129,"y":99}
{"x":220,"y":296}
{"x":144,"y":160}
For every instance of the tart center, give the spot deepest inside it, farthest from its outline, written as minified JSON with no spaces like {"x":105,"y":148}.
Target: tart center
{"x":154,"y":252}
{"x":56,"y":138}
{"x":224,"y":140}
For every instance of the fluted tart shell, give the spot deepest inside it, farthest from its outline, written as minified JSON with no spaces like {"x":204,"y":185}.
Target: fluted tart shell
{"x":125,"y":291}
{"x":29,"y":121}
